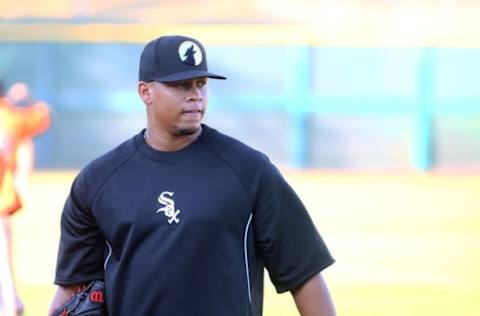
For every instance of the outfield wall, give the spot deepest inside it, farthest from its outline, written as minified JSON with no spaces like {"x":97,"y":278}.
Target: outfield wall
{"x":396,"y":93}
{"x":325,"y":107}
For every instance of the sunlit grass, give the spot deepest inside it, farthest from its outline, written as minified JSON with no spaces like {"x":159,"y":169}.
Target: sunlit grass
{"x":404,"y":244}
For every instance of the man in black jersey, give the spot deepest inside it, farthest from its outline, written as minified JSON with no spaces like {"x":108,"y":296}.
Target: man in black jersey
{"x":181,"y":219}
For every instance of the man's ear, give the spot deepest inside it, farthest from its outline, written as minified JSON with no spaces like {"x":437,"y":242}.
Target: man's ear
{"x":144,"y":92}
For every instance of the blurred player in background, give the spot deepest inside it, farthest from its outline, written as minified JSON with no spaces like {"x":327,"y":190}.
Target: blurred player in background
{"x":18,"y":125}
{"x":20,"y":96}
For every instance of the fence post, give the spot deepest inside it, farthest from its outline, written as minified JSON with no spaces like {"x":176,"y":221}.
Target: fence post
{"x":297,"y":102}
{"x":424,"y":119}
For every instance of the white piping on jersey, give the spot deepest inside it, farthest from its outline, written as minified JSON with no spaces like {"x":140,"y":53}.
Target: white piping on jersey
{"x":246,"y":256}
{"x":108,"y":256}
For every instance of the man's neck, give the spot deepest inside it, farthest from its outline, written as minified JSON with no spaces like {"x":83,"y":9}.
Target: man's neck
{"x":168,"y":142}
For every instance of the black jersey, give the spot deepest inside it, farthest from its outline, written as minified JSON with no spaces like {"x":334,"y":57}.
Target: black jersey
{"x":188,"y":232}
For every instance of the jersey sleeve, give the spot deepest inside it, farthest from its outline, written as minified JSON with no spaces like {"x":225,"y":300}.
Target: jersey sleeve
{"x":287,"y":240}
{"x":33,"y":119}
{"x":82,"y":246}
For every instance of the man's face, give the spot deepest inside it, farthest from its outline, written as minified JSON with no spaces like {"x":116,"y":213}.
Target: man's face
{"x":177,"y":108}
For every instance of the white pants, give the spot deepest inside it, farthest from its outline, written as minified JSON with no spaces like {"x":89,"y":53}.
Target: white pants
{"x":7,"y":297}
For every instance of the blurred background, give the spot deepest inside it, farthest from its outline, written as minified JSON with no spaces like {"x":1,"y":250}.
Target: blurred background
{"x":371,"y":109}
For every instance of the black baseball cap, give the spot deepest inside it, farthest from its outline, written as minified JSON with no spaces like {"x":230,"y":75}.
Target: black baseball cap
{"x":174,"y":58}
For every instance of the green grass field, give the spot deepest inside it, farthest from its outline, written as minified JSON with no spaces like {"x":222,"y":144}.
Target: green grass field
{"x":404,"y":244}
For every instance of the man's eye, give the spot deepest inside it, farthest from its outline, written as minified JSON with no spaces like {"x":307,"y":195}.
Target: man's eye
{"x":182,"y":85}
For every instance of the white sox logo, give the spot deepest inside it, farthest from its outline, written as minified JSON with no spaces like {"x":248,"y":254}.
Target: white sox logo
{"x":169,"y":208}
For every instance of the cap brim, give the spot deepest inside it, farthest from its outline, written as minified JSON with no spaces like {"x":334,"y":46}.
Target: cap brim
{"x":185,"y":75}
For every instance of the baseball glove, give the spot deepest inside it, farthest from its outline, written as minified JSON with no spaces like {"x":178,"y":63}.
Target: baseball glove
{"x":88,"y":301}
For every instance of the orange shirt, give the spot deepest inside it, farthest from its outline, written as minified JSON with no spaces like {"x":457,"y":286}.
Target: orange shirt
{"x":16,"y":125}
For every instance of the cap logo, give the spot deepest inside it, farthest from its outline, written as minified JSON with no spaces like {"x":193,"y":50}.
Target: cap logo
{"x":190,"y":53}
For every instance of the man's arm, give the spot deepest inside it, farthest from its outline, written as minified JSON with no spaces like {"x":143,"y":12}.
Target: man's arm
{"x":313,"y":298}
{"x":63,"y":293}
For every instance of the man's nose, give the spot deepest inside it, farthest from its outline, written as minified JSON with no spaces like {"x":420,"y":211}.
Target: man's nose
{"x":195,"y":94}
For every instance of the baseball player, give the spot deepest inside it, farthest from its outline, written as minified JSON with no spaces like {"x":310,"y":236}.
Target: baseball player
{"x":181,"y":219}
{"x":17,"y":126}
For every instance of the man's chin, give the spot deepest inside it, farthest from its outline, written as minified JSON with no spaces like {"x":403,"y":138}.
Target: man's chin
{"x":187,"y":131}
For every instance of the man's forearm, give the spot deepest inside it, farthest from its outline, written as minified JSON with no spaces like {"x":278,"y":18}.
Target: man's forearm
{"x":313,"y":298}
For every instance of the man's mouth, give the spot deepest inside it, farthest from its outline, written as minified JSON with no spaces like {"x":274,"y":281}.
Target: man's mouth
{"x":192,"y":114}
{"x":191,"y":111}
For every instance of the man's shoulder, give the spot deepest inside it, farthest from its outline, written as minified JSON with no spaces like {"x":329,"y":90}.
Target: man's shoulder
{"x":246,"y":162}
{"x":230,"y":148}
{"x":104,"y":165}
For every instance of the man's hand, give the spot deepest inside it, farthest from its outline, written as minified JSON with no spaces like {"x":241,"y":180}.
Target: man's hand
{"x":63,"y":293}
{"x":313,"y":298}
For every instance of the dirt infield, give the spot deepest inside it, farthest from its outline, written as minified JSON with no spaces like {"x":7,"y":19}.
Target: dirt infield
{"x":404,"y":244}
